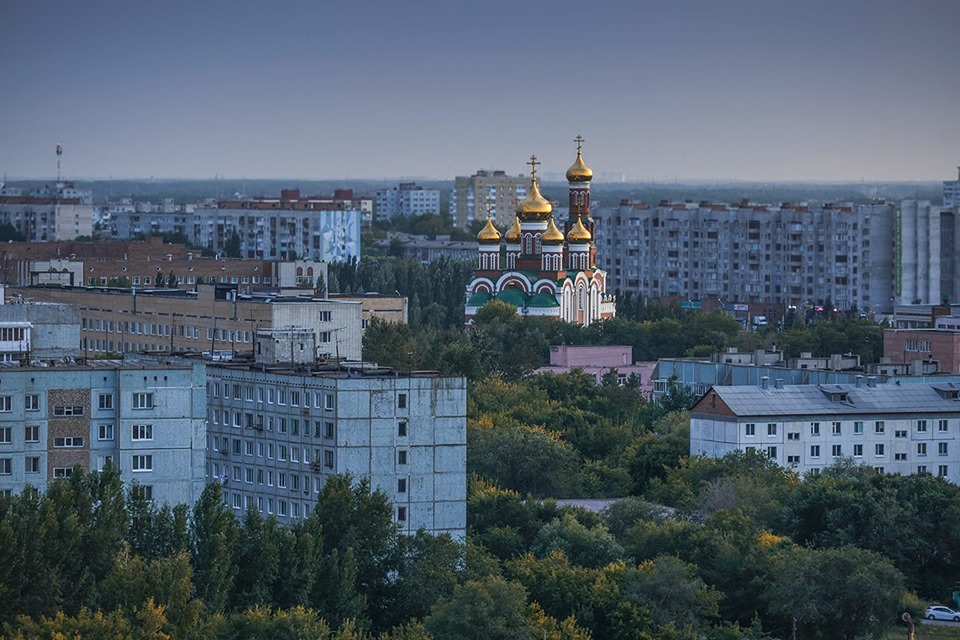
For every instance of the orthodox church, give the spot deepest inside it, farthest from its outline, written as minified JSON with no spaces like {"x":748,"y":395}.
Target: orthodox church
{"x":538,"y":268}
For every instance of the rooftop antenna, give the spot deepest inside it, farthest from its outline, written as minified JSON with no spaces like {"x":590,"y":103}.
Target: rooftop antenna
{"x":59,"y":153}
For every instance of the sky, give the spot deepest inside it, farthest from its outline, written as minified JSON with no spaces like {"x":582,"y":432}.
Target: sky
{"x":752,"y":90}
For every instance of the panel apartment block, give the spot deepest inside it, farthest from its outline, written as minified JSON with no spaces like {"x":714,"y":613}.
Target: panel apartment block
{"x":910,"y":428}
{"x":147,"y":418}
{"x":749,"y":253}
{"x":276,"y":435}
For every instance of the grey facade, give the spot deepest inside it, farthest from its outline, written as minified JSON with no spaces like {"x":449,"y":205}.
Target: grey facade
{"x":746,"y":253}
{"x":492,"y":194}
{"x":148,"y":418}
{"x":895,"y":429}
{"x":275,"y":436}
{"x":929,"y":264}
{"x":406,"y":199}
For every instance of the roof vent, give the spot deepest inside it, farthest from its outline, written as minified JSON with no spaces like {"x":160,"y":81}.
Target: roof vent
{"x":764,"y":381}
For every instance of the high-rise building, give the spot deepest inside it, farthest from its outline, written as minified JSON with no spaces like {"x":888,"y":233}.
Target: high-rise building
{"x":276,"y":433}
{"x":538,"y":268}
{"x":789,"y":254}
{"x":486,"y":194}
{"x":145,"y":417}
{"x":405,"y":200}
{"x":951,"y":191}
{"x":927,"y":246}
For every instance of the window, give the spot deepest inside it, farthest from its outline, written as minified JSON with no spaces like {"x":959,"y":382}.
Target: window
{"x":943,"y":425}
{"x":793,"y":459}
{"x":793,"y":435}
{"x":814,"y":428}
{"x":328,"y":401}
{"x":105,"y":401}
{"x":401,"y":514}
{"x":772,"y":429}
{"x":899,"y":456}
{"x":66,"y":412}
{"x":6,"y":466}
{"x":6,"y":435}
{"x":282,"y":480}
{"x":401,"y":401}
{"x":858,"y":427}
{"x":144,"y":491}
{"x":143,"y":401}
{"x":900,"y":433}
{"x":750,"y":429}
{"x":248,"y":475}
{"x":922,"y":468}
{"x":31,"y":402}
{"x":402,"y":485}
{"x":814,"y":451}
{"x":328,"y":459}
{"x":237,"y":501}
{"x":921,"y":426}
{"x":31,"y":433}
{"x":878,"y":426}
{"x":921,"y":448}
{"x":281,"y":396}
{"x":62,"y":472}
{"x":942,"y":448}
{"x":259,"y":476}
{"x":837,"y":451}
{"x":836,"y":429}
{"x":143,"y":432}
{"x":402,"y":428}
{"x":105,"y":432}
{"x":32,"y":465}
{"x":772,"y":453}
{"x":401,"y":457}
{"x":328,"y":430}
{"x":143,"y":463}
{"x":942,"y":471}
{"x":878,"y":449}
{"x":6,"y":403}
{"x":68,"y":442}
{"x":858,"y":451}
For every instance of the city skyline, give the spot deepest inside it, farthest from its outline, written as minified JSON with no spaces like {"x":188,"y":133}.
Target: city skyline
{"x":738,"y":91}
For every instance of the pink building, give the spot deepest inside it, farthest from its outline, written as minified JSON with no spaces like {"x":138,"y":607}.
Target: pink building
{"x":598,"y":361}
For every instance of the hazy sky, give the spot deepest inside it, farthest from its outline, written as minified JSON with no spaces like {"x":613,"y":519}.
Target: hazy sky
{"x":711,"y":89}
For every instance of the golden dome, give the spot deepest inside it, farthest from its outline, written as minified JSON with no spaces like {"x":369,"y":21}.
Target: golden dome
{"x":579,"y":172}
{"x":489,"y":234}
{"x":534,"y":207}
{"x":578,"y":234}
{"x":513,"y":233}
{"x":552,"y":235}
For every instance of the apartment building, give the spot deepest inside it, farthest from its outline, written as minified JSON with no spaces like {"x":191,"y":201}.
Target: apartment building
{"x":214,"y":319}
{"x":951,"y":191}
{"x":405,"y":200}
{"x":147,"y":418}
{"x":278,"y":431}
{"x":910,"y":428}
{"x":787,"y":254}
{"x":52,"y":212}
{"x":929,"y":265}
{"x":486,"y":194}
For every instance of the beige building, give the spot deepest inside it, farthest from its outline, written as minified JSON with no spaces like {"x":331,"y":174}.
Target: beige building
{"x":378,"y":305}
{"x":494,"y":191}
{"x":214,"y":319}
{"x":53,"y":213}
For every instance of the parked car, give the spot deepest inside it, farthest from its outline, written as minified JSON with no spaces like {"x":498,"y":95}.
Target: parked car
{"x":942,"y":613}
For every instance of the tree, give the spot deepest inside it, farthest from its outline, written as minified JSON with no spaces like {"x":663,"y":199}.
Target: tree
{"x":673,"y":593}
{"x":588,"y":547}
{"x":232,"y":245}
{"x":488,"y":609}
{"x":213,"y":539}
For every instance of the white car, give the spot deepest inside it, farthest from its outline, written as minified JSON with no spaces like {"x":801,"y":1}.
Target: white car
{"x":942,"y":613}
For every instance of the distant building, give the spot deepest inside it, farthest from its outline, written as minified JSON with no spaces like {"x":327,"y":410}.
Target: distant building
{"x":286,"y":228}
{"x":405,"y":200}
{"x":939,"y":349}
{"x":31,"y":332}
{"x":147,"y":418}
{"x":423,"y":249}
{"x":277,"y":432}
{"x":951,"y":191}
{"x":486,"y":194}
{"x":598,"y":361}
{"x":57,"y":212}
{"x":929,"y":261}
{"x":215,"y":319}
{"x":745,"y":253}
{"x":910,"y":428}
